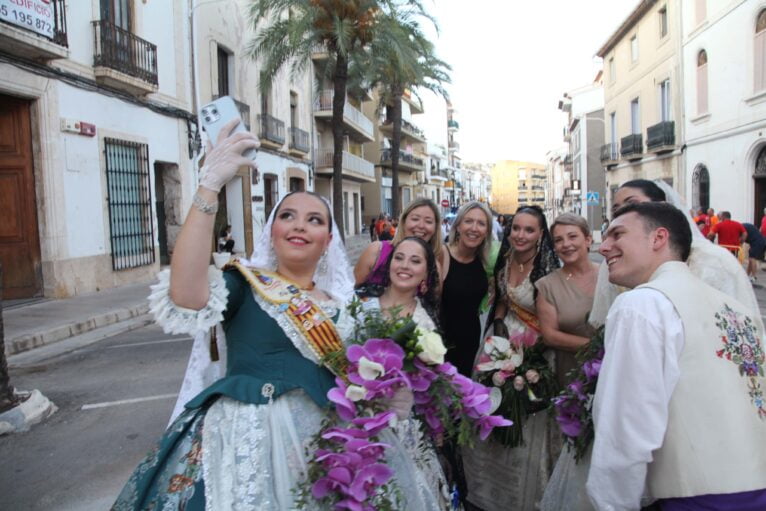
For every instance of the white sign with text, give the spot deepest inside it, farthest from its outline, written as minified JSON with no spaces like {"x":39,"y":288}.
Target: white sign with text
{"x":35,"y":15}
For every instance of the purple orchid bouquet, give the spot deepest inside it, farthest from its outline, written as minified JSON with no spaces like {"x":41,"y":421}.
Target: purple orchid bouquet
{"x":574,"y":406}
{"x":348,"y":470}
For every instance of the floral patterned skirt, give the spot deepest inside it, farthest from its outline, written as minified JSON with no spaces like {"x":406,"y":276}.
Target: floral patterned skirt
{"x":234,"y":455}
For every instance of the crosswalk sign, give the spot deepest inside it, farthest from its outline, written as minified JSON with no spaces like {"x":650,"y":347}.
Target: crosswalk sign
{"x":592,"y":198}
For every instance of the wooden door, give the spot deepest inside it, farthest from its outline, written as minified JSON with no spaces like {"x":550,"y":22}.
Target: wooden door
{"x":19,"y":238}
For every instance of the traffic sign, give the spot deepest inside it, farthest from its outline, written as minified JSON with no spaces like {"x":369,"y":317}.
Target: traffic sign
{"x":592,"y":198}
{"x":445,"y":203}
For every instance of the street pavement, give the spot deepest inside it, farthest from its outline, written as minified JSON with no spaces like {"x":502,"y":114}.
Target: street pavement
{"x":115,"y":397}
{"x":115,"y":391}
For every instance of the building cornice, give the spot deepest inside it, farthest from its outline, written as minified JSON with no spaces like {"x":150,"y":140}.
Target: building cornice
{"x":642,"y":8}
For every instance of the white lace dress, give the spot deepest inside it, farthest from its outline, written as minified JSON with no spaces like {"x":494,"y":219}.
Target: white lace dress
{"x":500,"y":477}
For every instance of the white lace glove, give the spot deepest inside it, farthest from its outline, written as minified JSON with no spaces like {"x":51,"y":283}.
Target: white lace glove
{"x":401,"y":402}
{"x":223,"y":160}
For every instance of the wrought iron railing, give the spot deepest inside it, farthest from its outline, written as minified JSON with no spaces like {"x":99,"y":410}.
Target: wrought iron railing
{"x":129,"y":197}
{"x":272,"y":128}
{"x":123,"y":51}
{"x":351,"y":162}
{"x":661,"y":135}
{"x":413,"y":129}
{"x":632,"y":145}
{"x":299,"y":140}
{"x":385,"y":158}
{"x":609,"y":152}
{"x":350,"y":113}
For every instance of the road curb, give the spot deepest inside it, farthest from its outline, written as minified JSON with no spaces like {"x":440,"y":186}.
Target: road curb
{"x":77,"y":342}
{"x":27,"y":342}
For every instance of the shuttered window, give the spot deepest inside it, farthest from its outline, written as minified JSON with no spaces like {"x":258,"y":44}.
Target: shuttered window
{"x":759,"y":53}
{"x":702,"y":93}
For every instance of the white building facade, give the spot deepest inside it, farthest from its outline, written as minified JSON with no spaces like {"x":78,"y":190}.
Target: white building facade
{"x":724,"y":67}
{"x":98,"y":137}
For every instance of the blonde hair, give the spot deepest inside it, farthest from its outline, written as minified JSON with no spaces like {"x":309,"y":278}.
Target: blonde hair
{"x":436,"y":238}
{"x":483,"y":249}
{"x":572,"y":219}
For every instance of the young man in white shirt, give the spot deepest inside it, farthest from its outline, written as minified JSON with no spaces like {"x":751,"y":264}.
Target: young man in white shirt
{"x":679,"y":410}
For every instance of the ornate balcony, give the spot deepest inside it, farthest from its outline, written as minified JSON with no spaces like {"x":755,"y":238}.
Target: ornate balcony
{"x":355,"y":123}
{"x":40,"y":41}
{"x":354,"y":167}
{"x":407,"y":161}
{"x":632,"y":147}
{"x":409,"y":131}
{"x":123,"y":60}
{"x":661,"y":138}
{"x":609,"y":156}
{"x":299,"y":141}
{"x":272,"y":131}
{"x":416,"y":106}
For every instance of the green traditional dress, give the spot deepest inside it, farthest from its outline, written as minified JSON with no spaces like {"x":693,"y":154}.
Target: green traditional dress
{"x":242,"y":442}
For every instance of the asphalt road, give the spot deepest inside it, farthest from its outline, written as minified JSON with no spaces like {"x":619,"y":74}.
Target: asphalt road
{"x":115,"y":398}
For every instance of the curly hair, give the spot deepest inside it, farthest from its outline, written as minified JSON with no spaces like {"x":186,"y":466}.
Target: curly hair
{"x":429,"y":299}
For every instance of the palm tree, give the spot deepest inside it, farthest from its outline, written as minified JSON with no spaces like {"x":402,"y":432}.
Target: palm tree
{"x":405,"y":60}
{"x":287,"y":31}
{"x":8,"y":397}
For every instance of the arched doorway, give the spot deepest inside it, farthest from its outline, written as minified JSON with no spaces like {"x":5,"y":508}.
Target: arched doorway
{"x":759,"y":178}
{"x":700,"y":188}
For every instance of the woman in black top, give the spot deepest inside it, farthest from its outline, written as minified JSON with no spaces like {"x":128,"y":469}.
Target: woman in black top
{"x":465,"y":283}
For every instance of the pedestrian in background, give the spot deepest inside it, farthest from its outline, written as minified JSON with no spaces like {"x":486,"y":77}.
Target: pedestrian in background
{"x":730,"y":233}
{"x":755,"y":253}
{"x":763,"y":223}
{"x":713,"y":217}
{"x":373,"y":234}
{"x":702,"y":217}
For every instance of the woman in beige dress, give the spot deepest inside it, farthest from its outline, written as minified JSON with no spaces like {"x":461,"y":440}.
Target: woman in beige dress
{"x":564,"y":301}
{"x":565,"y":296}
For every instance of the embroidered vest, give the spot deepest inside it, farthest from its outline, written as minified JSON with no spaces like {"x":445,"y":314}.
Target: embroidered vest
{"x":715,"y":442}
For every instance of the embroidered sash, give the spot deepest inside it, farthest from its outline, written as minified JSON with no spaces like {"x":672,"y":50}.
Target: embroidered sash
{"x":317,"y":330}
{"x":527,"y":317}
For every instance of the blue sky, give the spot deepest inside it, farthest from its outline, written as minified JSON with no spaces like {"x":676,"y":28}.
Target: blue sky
{"x":512,"y":60}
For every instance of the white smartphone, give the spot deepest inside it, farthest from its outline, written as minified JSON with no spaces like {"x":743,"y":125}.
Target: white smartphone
{"x":217,"y":114}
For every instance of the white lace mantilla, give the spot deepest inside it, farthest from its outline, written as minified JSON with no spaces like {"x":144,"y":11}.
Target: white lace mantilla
{"x":179,"y":320}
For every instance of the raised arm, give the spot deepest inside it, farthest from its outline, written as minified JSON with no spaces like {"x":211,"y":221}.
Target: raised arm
{"x":549,"y":326}
{"x":191,"y":257}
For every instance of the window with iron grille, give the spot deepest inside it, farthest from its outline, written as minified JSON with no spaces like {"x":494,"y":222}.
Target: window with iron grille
{"x":130,"y":203}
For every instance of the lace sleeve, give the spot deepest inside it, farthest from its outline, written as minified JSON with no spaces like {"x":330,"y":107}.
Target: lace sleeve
{"x":179,"y":320}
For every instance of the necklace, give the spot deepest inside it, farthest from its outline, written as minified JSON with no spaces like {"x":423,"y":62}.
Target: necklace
{"x":521,"y":265}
